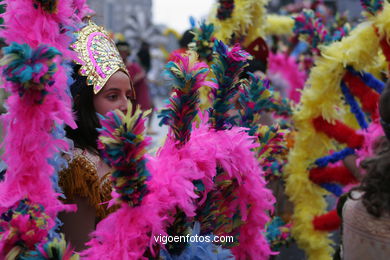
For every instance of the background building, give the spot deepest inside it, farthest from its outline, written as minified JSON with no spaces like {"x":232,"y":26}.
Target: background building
{"x":112,"y":14}
{"x":352,"y":6}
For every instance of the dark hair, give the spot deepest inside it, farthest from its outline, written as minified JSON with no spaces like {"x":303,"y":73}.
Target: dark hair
{"x":144,"y":56}
{"x":376,"y":183}
{"x":253,"y":66}
{"x":122,"y":43}
{"x":186,"y":38}
{"x":85,"y":135}
{"x":256,"y":65}
{"x":123,"y":46}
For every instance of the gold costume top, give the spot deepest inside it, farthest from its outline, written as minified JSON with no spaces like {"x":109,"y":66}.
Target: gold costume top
{"x":81,"y":179}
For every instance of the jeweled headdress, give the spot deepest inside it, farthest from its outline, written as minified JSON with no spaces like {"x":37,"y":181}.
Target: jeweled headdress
{"x":98,"y":56}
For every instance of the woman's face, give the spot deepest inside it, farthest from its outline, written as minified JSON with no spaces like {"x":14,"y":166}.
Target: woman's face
{"x":115,"y":94}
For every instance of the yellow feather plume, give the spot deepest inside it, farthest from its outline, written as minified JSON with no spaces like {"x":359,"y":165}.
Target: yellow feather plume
{"x":279,"y":25}
{"x":322,"y":97}
{"x":248,"y":20}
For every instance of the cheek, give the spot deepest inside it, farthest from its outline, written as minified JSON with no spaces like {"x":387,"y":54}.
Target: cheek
{"x":101,"y":105}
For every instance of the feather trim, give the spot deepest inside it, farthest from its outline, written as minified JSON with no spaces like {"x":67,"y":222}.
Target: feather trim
{"x":327,"y":222}
{"x":80,"y":179}
{"x":339,"y":132}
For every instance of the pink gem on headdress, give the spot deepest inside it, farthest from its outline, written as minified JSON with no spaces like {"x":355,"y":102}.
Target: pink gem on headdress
{"x":98,"y":56}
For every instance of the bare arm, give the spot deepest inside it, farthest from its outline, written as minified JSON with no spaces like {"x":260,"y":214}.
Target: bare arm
{"x":78,"y":225}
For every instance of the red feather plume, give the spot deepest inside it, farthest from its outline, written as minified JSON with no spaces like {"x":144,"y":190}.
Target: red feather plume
{"x":368,"y":98}
{"x":327,"y":222}
{"x":337,"y":174}
{"x":339,"y":131}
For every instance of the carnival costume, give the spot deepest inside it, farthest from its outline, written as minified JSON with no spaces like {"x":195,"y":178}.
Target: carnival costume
{"x":99,"y":60}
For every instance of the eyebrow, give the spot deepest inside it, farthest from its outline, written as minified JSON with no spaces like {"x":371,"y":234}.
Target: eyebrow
{"x":111,"y":89}
{"x":116,"y":89}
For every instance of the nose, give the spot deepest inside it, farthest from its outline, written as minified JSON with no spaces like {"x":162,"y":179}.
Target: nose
{"x":123,"y":105}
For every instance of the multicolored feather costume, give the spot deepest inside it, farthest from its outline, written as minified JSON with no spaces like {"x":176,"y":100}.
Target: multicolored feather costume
{"x":36,"y":76}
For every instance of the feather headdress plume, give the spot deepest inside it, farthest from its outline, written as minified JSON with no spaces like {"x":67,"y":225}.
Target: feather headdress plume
{"x":256,"y":97}
{"x":188,"y":75}
{"x":372,"y":6}
{"x":273,"y":150}
{"x":203,"y":40}
{"x":123,"y":147}
{"x":227,"y":67}
{"x":311,"y":27}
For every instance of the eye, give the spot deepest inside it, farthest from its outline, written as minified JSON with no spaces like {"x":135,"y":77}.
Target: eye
{"x":112,"y":97}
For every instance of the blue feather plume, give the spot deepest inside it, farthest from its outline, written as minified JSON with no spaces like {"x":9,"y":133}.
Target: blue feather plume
{"x":335,"y":157}
{"x":227,"y":67}
{"x":334,"y":188}
{"x":354,"y":106}
{"x":23,"y":66}
{"x":369,"y":80}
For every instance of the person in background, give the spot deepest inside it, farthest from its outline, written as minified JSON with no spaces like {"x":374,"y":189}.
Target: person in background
{"x":144,"y":56}
{"x":138,"y":75}
{"x":365,"y":210}
{"x":186,"y":39}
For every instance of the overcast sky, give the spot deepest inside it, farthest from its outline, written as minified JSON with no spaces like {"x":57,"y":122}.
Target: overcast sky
{"x":175,"y":13}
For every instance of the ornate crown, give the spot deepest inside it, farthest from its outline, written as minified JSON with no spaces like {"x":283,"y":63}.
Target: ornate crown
{"x":98,"y":56}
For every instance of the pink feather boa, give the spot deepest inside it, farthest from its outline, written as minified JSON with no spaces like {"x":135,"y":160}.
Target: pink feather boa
{"x":29,"y":142}
{"x":284,"y":67}
{"x":26,"y":24}
{"x":128,"y":232}
{"x":371,"y":137}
